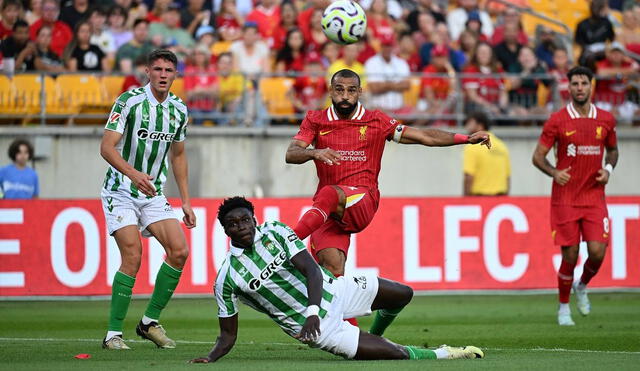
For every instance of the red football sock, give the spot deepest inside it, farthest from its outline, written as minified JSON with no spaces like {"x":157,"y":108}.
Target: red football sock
{"x":589,"y":270}
{"x":324,"y":204}
{"x":352,"y":321}
{"x":565,"y":280}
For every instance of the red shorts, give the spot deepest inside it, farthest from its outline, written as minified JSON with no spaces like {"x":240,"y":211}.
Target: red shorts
{"x":569,"y":223}
{"x":361,"y":206}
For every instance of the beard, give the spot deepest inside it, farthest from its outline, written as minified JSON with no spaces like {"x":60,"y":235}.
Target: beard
{"x":582,"y":101}
{"x":344,"y":108}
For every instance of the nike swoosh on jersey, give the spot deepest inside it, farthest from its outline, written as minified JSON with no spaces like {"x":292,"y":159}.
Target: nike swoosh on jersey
{"x":325,"y":132}
{"x":570,"y":133}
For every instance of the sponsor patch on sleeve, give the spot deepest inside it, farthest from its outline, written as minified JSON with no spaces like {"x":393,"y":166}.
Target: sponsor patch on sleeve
{"x":292,"y":237}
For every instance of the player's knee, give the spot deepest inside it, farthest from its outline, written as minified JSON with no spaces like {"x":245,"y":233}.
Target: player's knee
{"x":131,"y":263}
{"x":178,"y":255}
{"x":406,"y":293}
{"x":326,"y":199}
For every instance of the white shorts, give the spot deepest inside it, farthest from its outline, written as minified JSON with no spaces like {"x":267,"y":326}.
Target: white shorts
{"x":354,"y":297}
{"x":121,"y":210}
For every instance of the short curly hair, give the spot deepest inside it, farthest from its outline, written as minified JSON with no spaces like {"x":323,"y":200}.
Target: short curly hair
{"x":14,"y":148}
{"x":233,"y":203}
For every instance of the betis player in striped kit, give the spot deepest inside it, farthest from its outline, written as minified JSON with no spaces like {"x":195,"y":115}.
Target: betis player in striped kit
{"x":269,"y":269}
{"x":146,"y":126}
{"x":581,"y":133}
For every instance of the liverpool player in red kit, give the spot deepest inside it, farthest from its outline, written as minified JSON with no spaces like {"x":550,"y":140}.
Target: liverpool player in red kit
{"x":348,"y":144}
{"x":581,"y":133}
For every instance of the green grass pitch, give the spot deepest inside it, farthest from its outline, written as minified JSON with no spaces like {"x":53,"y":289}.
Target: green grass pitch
{"x":516,"y":332}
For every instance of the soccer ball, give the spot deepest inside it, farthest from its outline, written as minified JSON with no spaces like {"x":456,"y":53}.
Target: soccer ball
{"x":344,"y":22}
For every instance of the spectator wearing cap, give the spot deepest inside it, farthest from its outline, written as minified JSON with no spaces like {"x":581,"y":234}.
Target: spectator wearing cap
{"x":229,"y":21}
{"x":510,"y":15}
{"x":169,"y":34}
{"x":592,"y":33}
{"x":387,"y":77}
{"x":483,"y":90}
{"x":507,"y":51}
{"x":436,"y":89}
{"x":309,"y":92}
{"x":613,"y":76}
{"x":292,"y":57}
{"x":137,"y":46}
{"x":546,"y":46}
{"x":101,"y":36}
{"x":378,"y":21}
{"x":267,"y":17}
{"x":250,"y":55}
{"x":205,"y":35}
{"x":61,"y":33}
{"x":74,"y":12}
{"x":349,"y":61}
{"x":424,"y":6}
{"x":474,"y":25}
{"x":195,"y":15}
{"x":116,"y":23}
{"x":200,"y":82}
{"x":10,"y":13}
{"x":457,"y":18}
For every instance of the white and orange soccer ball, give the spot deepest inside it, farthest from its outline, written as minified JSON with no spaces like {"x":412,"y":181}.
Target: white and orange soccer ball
{"x":344,"y":22}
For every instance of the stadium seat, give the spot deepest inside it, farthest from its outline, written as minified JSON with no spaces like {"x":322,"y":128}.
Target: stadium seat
{"x":543,"y":95}
{"x":112,"y":86}
{"x":273,"y":91}
{"x":7,"y":96}
{"x":177,"y":88}
{"x":412,"y":95}
{"x":81,"y":92}
{"x":29,"y":90}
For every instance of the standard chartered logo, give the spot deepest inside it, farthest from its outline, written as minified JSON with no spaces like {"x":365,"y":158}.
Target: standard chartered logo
{"x":571,"y":150}
{"x":256,"y":283}
{"x":155,"y":135}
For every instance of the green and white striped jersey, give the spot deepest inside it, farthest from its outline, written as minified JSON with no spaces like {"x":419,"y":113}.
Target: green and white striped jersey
{"x":148,"y":128}
{"x":264,"y":278}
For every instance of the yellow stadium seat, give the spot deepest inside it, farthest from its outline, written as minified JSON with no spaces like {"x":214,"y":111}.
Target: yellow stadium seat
{"x":273,"y":91}
{"x":7,"y":95}
{"x":81,"y":92}
{"x":177,"y":88}
{"x":543,"y":95}
{"x":113,"y":87}
{"x":29,"y":90}
{"x":412,"y":95}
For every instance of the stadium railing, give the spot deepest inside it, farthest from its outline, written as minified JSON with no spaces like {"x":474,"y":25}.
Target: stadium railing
{"x":86,"y":99}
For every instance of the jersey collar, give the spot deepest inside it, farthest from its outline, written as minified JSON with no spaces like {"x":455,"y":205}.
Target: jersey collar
{"x":237,"y":251}
{"x":357,"y":114}
{"x":152,"y":99}
{"x":573,"y":113}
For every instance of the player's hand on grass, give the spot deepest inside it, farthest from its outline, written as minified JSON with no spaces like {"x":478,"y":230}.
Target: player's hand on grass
{"x":603,"y":176}
{"x":143,"y":182}
{"x":481,"y":137}
{"x":189,"y":217}
{"x":310,"y":331}
{"x":327,"y":155}
{"x":562,"y":176}
{"x":200,"y":360}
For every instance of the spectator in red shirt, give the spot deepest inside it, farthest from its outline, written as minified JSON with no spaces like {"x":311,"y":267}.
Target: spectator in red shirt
{"x":378,"y":21}
{"x":159,"y":8}
{"x":200,"y":82}
{"x":139,"y":77}
{"x":484,"y":93}
{"x":291,"y":58}
{"x":11,"y":10}
{"x":613,"y":75}
{"x":309,"y":92}
{"x":561,"y":81}
{"x":474,"y":25}
{"x":436,"y":90}
{"x":288,"y":20}
{"x":267,"y":17}
{"x":304,"y":18}
{"x":426,"y":27}
{"x":409,"y":52}
{"x":510,"y":15}
{"x":61,"y":34}
{"x":229,"y":21}
{"x":316,"y":37}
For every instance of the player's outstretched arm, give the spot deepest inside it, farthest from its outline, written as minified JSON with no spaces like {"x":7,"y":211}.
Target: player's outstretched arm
{"x":108,"y":151}
{"x":224,"y":343}
{"x":181,"y":173}
{"x":310,"y":269}
{"x":540,"y":161}
{"x":298,"y":153}
{"x":439,"y":138}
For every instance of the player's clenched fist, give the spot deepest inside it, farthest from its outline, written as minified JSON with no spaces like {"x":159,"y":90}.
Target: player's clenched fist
{"x":562,"y":176}
{"x":481,"y":137}
{"x":327,"y":155}
{"x":142,"y":181}
{"x":603,"y":176}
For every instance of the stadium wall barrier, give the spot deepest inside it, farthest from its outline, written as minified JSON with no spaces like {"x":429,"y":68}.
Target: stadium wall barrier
{"x":60,"y":247}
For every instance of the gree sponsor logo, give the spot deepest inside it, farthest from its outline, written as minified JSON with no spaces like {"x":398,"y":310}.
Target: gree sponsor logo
{"x":155,"y":135}
{"x":256,"y":283}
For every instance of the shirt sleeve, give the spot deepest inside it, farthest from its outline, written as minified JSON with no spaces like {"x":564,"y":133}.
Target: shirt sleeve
{"x":181,"y":133}
{"x":612,"y":138}
{"x":225,"y":296}
{"x":549,"y":133}
{"x":290,"y":241}
{"x":36,"y":191}
{"x":389,"y":125}
{"x":469,"y":160}
{"x":118,"y":116}
{"x":307,"y":132}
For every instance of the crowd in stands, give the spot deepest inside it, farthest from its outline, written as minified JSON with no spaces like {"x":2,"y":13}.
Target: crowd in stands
{"x":225,"y":46}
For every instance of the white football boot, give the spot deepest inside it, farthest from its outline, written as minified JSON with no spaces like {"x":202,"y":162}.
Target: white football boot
{"x":564,"y":318}
{"x":582,"y":300}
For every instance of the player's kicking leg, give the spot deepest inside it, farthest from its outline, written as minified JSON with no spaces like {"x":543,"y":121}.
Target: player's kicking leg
{"x":169,"y":233}
{"x":597,"y":252}
{"x":565,"y":282}
{"x":128,"y":240}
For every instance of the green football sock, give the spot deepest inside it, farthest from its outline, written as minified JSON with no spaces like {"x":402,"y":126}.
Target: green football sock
{"x":383,"y":319}
{"x":166,"y":283}
{"x":120,"y":299}
{"x":420,"y":353}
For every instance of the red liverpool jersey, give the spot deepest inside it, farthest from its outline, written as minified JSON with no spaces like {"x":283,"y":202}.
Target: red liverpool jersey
{"x":581,"y":142}
{"x":359,"y":141}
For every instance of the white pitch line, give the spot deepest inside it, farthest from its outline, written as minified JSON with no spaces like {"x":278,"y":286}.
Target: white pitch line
{"x":559,"y":350}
